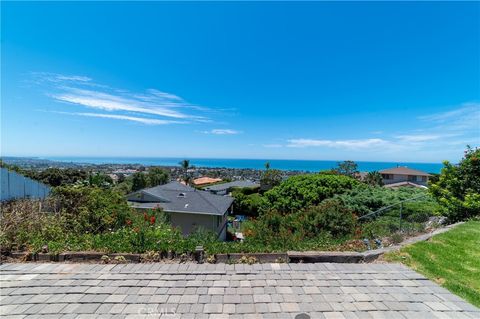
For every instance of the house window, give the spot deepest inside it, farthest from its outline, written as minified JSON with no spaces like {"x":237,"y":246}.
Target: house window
{"x":412,"y":178}
{"x":387,"y":176}
{"x":218,"y":220}
{"x":424,"y":178}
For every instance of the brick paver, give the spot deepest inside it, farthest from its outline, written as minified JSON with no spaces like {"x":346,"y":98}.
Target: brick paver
{"x":224,"y":291}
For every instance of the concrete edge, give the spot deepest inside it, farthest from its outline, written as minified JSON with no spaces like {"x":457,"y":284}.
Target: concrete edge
{"x":289,"y":256}
{"x":357,"y":257}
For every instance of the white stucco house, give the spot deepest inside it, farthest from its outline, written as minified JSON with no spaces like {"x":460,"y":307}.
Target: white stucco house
{"x":188,"y":208}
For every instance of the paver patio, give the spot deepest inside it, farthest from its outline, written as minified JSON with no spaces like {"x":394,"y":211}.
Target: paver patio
{"x":224,"y":291}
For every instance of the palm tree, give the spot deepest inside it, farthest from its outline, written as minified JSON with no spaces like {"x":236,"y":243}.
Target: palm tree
{"x":185,"y":164}
{"x":267,"y":165}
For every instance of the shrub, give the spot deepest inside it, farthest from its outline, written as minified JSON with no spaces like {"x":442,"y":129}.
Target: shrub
{"x":91,"y":208}
{"x":381,"y":227}
{"x":396,"y":238}
{"x":364,"y":199}
{"x":249,"y":205}
{"x":330,"y":216}
{"x":458,"y":187}
{"x":24,"y":225}
{"x":301,"y":191}
{"x":373,"y":178}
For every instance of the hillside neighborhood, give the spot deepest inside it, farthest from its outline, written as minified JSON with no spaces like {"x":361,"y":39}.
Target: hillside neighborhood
{"x":240,"y":160}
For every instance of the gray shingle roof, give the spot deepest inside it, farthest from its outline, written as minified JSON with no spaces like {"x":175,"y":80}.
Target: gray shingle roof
{"x":176,"y":197}
{"x":225,"y":186}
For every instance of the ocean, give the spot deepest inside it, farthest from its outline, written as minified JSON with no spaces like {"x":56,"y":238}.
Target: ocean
{"x":292,"y":165}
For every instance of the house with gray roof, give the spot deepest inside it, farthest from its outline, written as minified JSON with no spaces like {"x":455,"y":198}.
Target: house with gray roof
{"x":187,"y":207}
{"x":225,"y":188}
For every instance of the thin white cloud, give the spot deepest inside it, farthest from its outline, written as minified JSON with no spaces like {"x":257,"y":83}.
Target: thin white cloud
{"x":272,"y":145}
{"x":465,"y":109}
{"x":84,"y":92}
{"x":109,"y":102}
{"x":46,"y":77}
{"x":73,"y":78}
{"x":126,"y":118}
{"x":414,"y":138}
{"x":463,"y":119}
{"x":218,"y":131}
{"x":348,"y":144}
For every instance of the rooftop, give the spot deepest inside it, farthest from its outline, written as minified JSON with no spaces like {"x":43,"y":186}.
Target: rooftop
{"x":403,"y":171}
{"x":206,"y":180}
{"x":154,"y":290}
{"x":225,"y":186}
{"x":179,"y":198}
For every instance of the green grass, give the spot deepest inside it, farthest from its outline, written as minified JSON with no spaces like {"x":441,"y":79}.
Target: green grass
{"x":451,"y":259}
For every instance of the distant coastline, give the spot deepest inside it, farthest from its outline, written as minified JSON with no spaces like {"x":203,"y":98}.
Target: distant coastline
{"x":287,"y":165}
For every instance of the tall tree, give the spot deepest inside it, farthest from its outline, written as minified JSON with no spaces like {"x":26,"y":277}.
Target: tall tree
{"x":270,"y":178}
{"x":458,"y":187}
{"x":100,"y":180}
{"x":157,"y":176}
{"x":347,"y":168}
{"x":267,"y":165}
{"x":185,"y":165}
{"x":374,"y":178}
{"x":139,"y":181}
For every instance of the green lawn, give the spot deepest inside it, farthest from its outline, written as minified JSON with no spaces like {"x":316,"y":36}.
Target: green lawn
{"x":451,"y":259}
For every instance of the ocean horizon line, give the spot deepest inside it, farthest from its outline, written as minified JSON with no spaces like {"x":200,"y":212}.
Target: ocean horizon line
{"x":241,"y":163}
{"x":56,"y":157}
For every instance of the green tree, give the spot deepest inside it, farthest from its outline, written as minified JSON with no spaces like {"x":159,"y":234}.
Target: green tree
{"x":374,"y":179}
{"x":267,"y":165}
{"x":249,"y":205}
{"x":139,"y":181}
{"x":270,"y":178}
{"x":458,"y":187}
{"x":100,"y":180}
{"x":347,"y":168}
{"x":121,"y":178}
{"x":157,"y":176}
{"x":185,"y":165}
{"x":11,"y":167}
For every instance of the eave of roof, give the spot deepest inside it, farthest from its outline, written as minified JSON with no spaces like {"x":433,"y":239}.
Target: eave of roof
{"x":137,"y":205}
{"x":403,"y":171}
{"x":404,"y":183}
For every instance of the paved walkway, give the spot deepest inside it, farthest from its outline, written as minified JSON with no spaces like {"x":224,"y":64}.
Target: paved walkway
{"x":224,"y":291}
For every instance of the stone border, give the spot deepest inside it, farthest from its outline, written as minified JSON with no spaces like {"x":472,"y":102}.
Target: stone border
{"x":71,"y":256}
{"x":356,"y":257}
{"x":289,"y":256}
{"x":259,"y":257}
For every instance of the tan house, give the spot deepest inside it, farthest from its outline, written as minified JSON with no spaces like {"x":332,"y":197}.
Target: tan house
{"x":404,"y":176}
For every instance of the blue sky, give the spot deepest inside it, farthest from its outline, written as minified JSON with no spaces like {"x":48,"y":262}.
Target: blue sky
{"x":316,"y":80}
